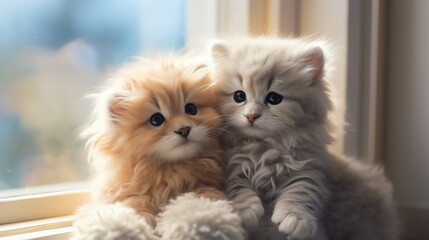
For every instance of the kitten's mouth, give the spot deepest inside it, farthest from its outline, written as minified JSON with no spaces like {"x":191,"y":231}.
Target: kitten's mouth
{"x":184,"y":142}
{"x":252,"y":130}
{"x":252,"y":125}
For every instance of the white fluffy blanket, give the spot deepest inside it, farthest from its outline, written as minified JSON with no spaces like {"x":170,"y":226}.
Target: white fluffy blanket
{"x":189,"y":217}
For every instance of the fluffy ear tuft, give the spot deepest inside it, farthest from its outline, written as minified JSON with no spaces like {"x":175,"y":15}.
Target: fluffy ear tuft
{"x":314,"y":60}
{"x":220,"y":50}
{"x":117,"y":106}
{"x":201,"y":70}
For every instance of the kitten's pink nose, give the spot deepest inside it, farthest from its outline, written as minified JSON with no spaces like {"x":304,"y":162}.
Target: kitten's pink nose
{"x":183,"y":131}
{"x":252,"y":117}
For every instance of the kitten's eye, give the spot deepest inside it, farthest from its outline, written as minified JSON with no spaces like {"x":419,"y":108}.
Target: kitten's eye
{"x":157,"y":119}
{"x":190,"y":109}
{"x":273,"y":98}
{"x":239,"y":96}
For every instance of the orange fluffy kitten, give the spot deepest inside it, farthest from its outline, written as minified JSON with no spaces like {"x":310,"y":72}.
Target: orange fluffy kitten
{"x":153,"y":136}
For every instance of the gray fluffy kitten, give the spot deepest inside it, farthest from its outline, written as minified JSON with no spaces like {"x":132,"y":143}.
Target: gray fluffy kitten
{"x":282,"y":180}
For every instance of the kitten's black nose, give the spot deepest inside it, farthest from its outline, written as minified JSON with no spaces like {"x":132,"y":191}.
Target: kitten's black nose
{"x":252,"y":117}
{"x":183,"y":131}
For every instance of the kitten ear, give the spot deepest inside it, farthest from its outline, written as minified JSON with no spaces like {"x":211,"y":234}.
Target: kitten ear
{"x":314,"y":61}
{"x":201,"y":71}
{"x":220,"y":51}
{"x":117,"y":106}
{"x":200,"y":67}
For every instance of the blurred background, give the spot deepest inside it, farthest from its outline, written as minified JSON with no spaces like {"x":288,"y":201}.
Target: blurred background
{"x":53,"y":53}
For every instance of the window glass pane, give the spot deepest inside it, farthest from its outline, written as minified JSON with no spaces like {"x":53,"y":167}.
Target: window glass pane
{"x":53,"y":53}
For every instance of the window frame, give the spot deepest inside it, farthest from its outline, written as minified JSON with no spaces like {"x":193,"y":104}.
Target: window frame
{"x":365,"y":79}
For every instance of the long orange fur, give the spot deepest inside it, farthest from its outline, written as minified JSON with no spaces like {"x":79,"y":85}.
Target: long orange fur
{"x":131,"y":165}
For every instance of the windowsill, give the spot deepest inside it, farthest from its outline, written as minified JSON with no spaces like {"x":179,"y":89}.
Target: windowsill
{"x":41,"y":213}
{"x":53,"y":234}
{"x":55,"y":228}
{"x":42,"y":205}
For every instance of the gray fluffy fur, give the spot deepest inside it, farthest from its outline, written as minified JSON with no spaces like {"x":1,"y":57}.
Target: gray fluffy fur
{"x":282,"y":180}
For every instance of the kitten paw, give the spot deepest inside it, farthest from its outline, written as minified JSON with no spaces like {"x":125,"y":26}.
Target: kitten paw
{"x":250,"y":215}
{"x":295,"y":225}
